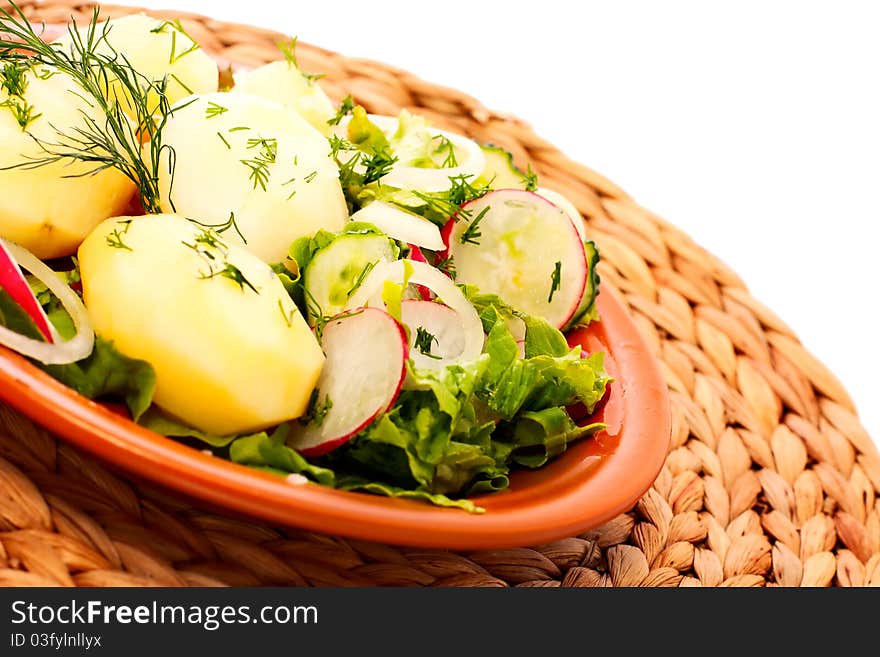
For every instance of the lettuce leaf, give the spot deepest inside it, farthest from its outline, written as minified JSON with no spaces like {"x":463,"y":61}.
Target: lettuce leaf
{"x":108,"y":373}
{"x":268,"y":451}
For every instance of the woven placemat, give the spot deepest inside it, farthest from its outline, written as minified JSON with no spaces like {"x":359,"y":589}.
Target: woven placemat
{"x":770,"y":478}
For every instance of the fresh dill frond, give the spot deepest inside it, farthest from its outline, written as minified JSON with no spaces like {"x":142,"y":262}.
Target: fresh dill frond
{"x":214,"y":109}
{"x":259,"y":172}
{"x":555,"y":280}
{"x":222,"y":227}
{"x":114,"y":239}
{"x":310,"y":177}
{"x":445,"y":146}
{"x":288,"y":49}
{"x":530,"y":179}
{"x":345,"y":108}
{"x":223,"y":139}
{"x":378,"y":164}
{"x":424,"y":341}
{"x":361,"y":277}
{"x":134,"y":147}
{"x":268,"y":147}
{"x":472,"y":233}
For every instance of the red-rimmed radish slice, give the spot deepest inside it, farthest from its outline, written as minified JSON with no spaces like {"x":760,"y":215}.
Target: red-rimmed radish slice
{"x":415,"y":253}
{"x":366,"y":354}
{"x":420,"y":273}
{"x":401,"y":225}
{"x":60,"y":352}
{"x":566,"y":206}
{"x":523,"y":248}
{"x":441,"y":338}
{"x":13,"y":281}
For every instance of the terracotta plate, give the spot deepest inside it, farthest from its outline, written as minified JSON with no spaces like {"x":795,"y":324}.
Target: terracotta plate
{"x":589,"y":484}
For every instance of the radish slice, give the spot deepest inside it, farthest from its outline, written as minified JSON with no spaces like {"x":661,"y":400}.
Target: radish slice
{"x":436,"y":335}
{"x":60,"y":352}
{"x":415,"y":253}
{"x":13,"y":281}
{"x":366,"y":364}
{"x":566,"y":206}
{"x":419,"y":273}
{"x":401,"y":225}
{"x":523,"y":248}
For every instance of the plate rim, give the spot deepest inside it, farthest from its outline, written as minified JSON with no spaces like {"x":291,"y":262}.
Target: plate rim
{"x":643,"y":441}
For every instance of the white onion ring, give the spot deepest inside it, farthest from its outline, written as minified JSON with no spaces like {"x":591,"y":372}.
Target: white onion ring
{"x":370,"y":294}
{"x":61,"y":352}
{"x":401,"y":225}
{"x":430,"y":180}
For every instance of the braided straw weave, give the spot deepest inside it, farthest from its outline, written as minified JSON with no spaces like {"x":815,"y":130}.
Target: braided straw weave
{"x":770,"y":478}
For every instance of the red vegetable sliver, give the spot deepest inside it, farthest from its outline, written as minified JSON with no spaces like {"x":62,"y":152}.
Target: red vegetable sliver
{"x":13,"y":281}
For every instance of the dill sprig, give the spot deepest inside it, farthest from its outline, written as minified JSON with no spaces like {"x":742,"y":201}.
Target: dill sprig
{"x":345,"y":108}
{"x":424,"y":341}
{"x":530,"y":179}
{"x":214,"y":109}
{"x":472,"y":233}
{"x":222,"y":227}
{"x":445,"y":146}
{"x":555,"y":280}
{"x":134,"y":147}
{"x":377,"y":164}
{"x":14,"y":82}
{"x":288,"y":49}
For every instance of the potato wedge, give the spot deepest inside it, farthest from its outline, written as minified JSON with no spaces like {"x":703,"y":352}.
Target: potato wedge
{"x":231,"y":352}
{"x":240,"y":156}
{"x":50,"y":209}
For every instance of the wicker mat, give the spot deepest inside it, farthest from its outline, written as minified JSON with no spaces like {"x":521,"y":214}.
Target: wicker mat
{"x":770,"y":479}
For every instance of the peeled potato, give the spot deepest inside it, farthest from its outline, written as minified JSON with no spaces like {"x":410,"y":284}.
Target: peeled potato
{"x":231,"y":352}
{"x":156,"y":48}
{"x":50,"y":209}
{"x":238,"y":155}
{"x":284,"y":83}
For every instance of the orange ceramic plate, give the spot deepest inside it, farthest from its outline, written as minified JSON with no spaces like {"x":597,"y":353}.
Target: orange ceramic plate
{"x":592,"y":482}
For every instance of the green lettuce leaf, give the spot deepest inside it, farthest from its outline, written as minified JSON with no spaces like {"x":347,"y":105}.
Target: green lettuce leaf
{"x":269,"y":451}
{"x":108,"y":373}
{"x":155,"y":420}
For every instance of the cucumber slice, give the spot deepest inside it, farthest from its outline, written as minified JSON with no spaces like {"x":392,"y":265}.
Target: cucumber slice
{"x":337,"y":270}
{"x":586,"y":311}
{"x":500,"y":170}
{"x":523,"y":248}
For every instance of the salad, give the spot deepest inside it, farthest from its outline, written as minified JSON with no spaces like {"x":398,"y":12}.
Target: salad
{"x":231,"y":259}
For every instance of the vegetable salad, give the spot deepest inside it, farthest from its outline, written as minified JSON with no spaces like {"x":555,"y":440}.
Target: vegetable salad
{"x":367,"y":302}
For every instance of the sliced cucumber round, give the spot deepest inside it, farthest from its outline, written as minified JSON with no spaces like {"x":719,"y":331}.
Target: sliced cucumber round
{"x":523,"y":248}
{"x":337,"y":270}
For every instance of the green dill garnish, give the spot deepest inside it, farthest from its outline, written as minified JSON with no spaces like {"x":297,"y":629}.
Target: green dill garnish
{"x":289,"y":51}
{"x":268,"y":147}
{"x":131,"y":145}
{"x":176,"y":27}
{"x":14,"y":83}
{"x":338,"y":144}
{"x":378,"y":164}
{"x":361,"y":277}
{"x":14,"y":80}
{"x":259,"y":172}
{"x":114,"y":239}
{"x":447,"y":266}
{"x":460,"y":192}
{"x":220,"y":228}
{"x":446,"y":146}
{"x":555,"y":280}
{"x":423,"y":342}
{"x":344,"y":109}
{"x":288,"y":316}
{"x":239,"y":128}
{"x":234,"y":274}
{"x":214,"y":109}
{"x":316,"y":411}
{"x":530,"y":178}
{"x":223,"y":139}
{"x":472,"y":233}
{"x":310,"y":177}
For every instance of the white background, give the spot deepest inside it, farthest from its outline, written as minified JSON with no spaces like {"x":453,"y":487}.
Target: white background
{"x":753,"y":126}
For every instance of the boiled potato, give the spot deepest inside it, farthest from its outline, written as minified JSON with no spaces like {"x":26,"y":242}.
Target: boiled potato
{"x":284,"y":83}
{"x":231,"y":352}
{"x":50,"y":209}
{"x":156,"y":48}
{"x":244,"y":157}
